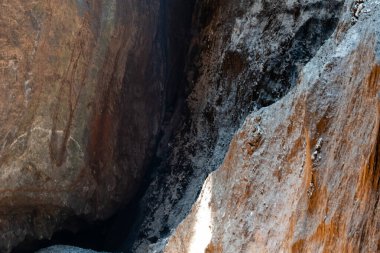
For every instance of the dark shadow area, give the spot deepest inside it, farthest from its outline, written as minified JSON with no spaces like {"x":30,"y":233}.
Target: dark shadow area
{"x":92,"y":237}
{"x":100,"y":236}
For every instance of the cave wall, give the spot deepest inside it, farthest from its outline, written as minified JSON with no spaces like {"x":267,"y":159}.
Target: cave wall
{"x":95,"y":96}
{"x":83,"y":93}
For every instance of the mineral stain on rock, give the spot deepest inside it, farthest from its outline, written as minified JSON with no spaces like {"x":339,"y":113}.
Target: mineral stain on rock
{"x":189,"y":126}
{"x":84,"y":93}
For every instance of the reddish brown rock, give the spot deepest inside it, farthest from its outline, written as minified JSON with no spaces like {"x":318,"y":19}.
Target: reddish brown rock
{"x":311,"y":184}
{"x":82,"y":98}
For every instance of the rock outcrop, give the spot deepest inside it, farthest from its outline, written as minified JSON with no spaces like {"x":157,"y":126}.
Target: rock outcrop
{"x":280,"y":103}
{"x":244,"y":55}
{"x":84,"y":90}
{"x":302,"y":175}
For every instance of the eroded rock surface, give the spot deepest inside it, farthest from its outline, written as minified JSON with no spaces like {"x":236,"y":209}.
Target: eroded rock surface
{"x":88,"y":88}
{"x":244,"y":55}
{"x":83,"y":94}
{"x":302,"y":175}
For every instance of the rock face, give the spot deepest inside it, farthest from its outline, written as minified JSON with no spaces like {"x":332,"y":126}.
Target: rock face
{"x":244,"y":55}
{"x":92,"y":94}
{"x":302,"y":175}
{"x":84,"y":89}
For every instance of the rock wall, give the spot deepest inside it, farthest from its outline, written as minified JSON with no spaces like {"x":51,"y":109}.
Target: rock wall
{"x":244,"y":55}
{"x":302,"y":175}
{"x":92,"y":95}
{"x":84,"y":89}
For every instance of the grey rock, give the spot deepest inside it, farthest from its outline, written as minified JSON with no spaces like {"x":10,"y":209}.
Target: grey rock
{"x":66,"y":249}
{"x":245,"y":55}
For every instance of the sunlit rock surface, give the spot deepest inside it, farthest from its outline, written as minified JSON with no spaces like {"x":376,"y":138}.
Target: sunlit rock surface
{"x":302,"y":175}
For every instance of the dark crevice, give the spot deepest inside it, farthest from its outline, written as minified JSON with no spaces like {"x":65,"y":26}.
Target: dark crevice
{"x":90,"y":236}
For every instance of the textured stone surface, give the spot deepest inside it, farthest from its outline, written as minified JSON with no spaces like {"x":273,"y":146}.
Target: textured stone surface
{"x":83,"y":92}
{"x":66,"y":249}
{"x":87,"y":86}
{"x":244,"y":55}
{"x":302,"y":175}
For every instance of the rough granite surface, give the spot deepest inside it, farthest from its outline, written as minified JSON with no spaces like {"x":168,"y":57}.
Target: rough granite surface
{"x":302,"y":175}
{"x":244,"y":55}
